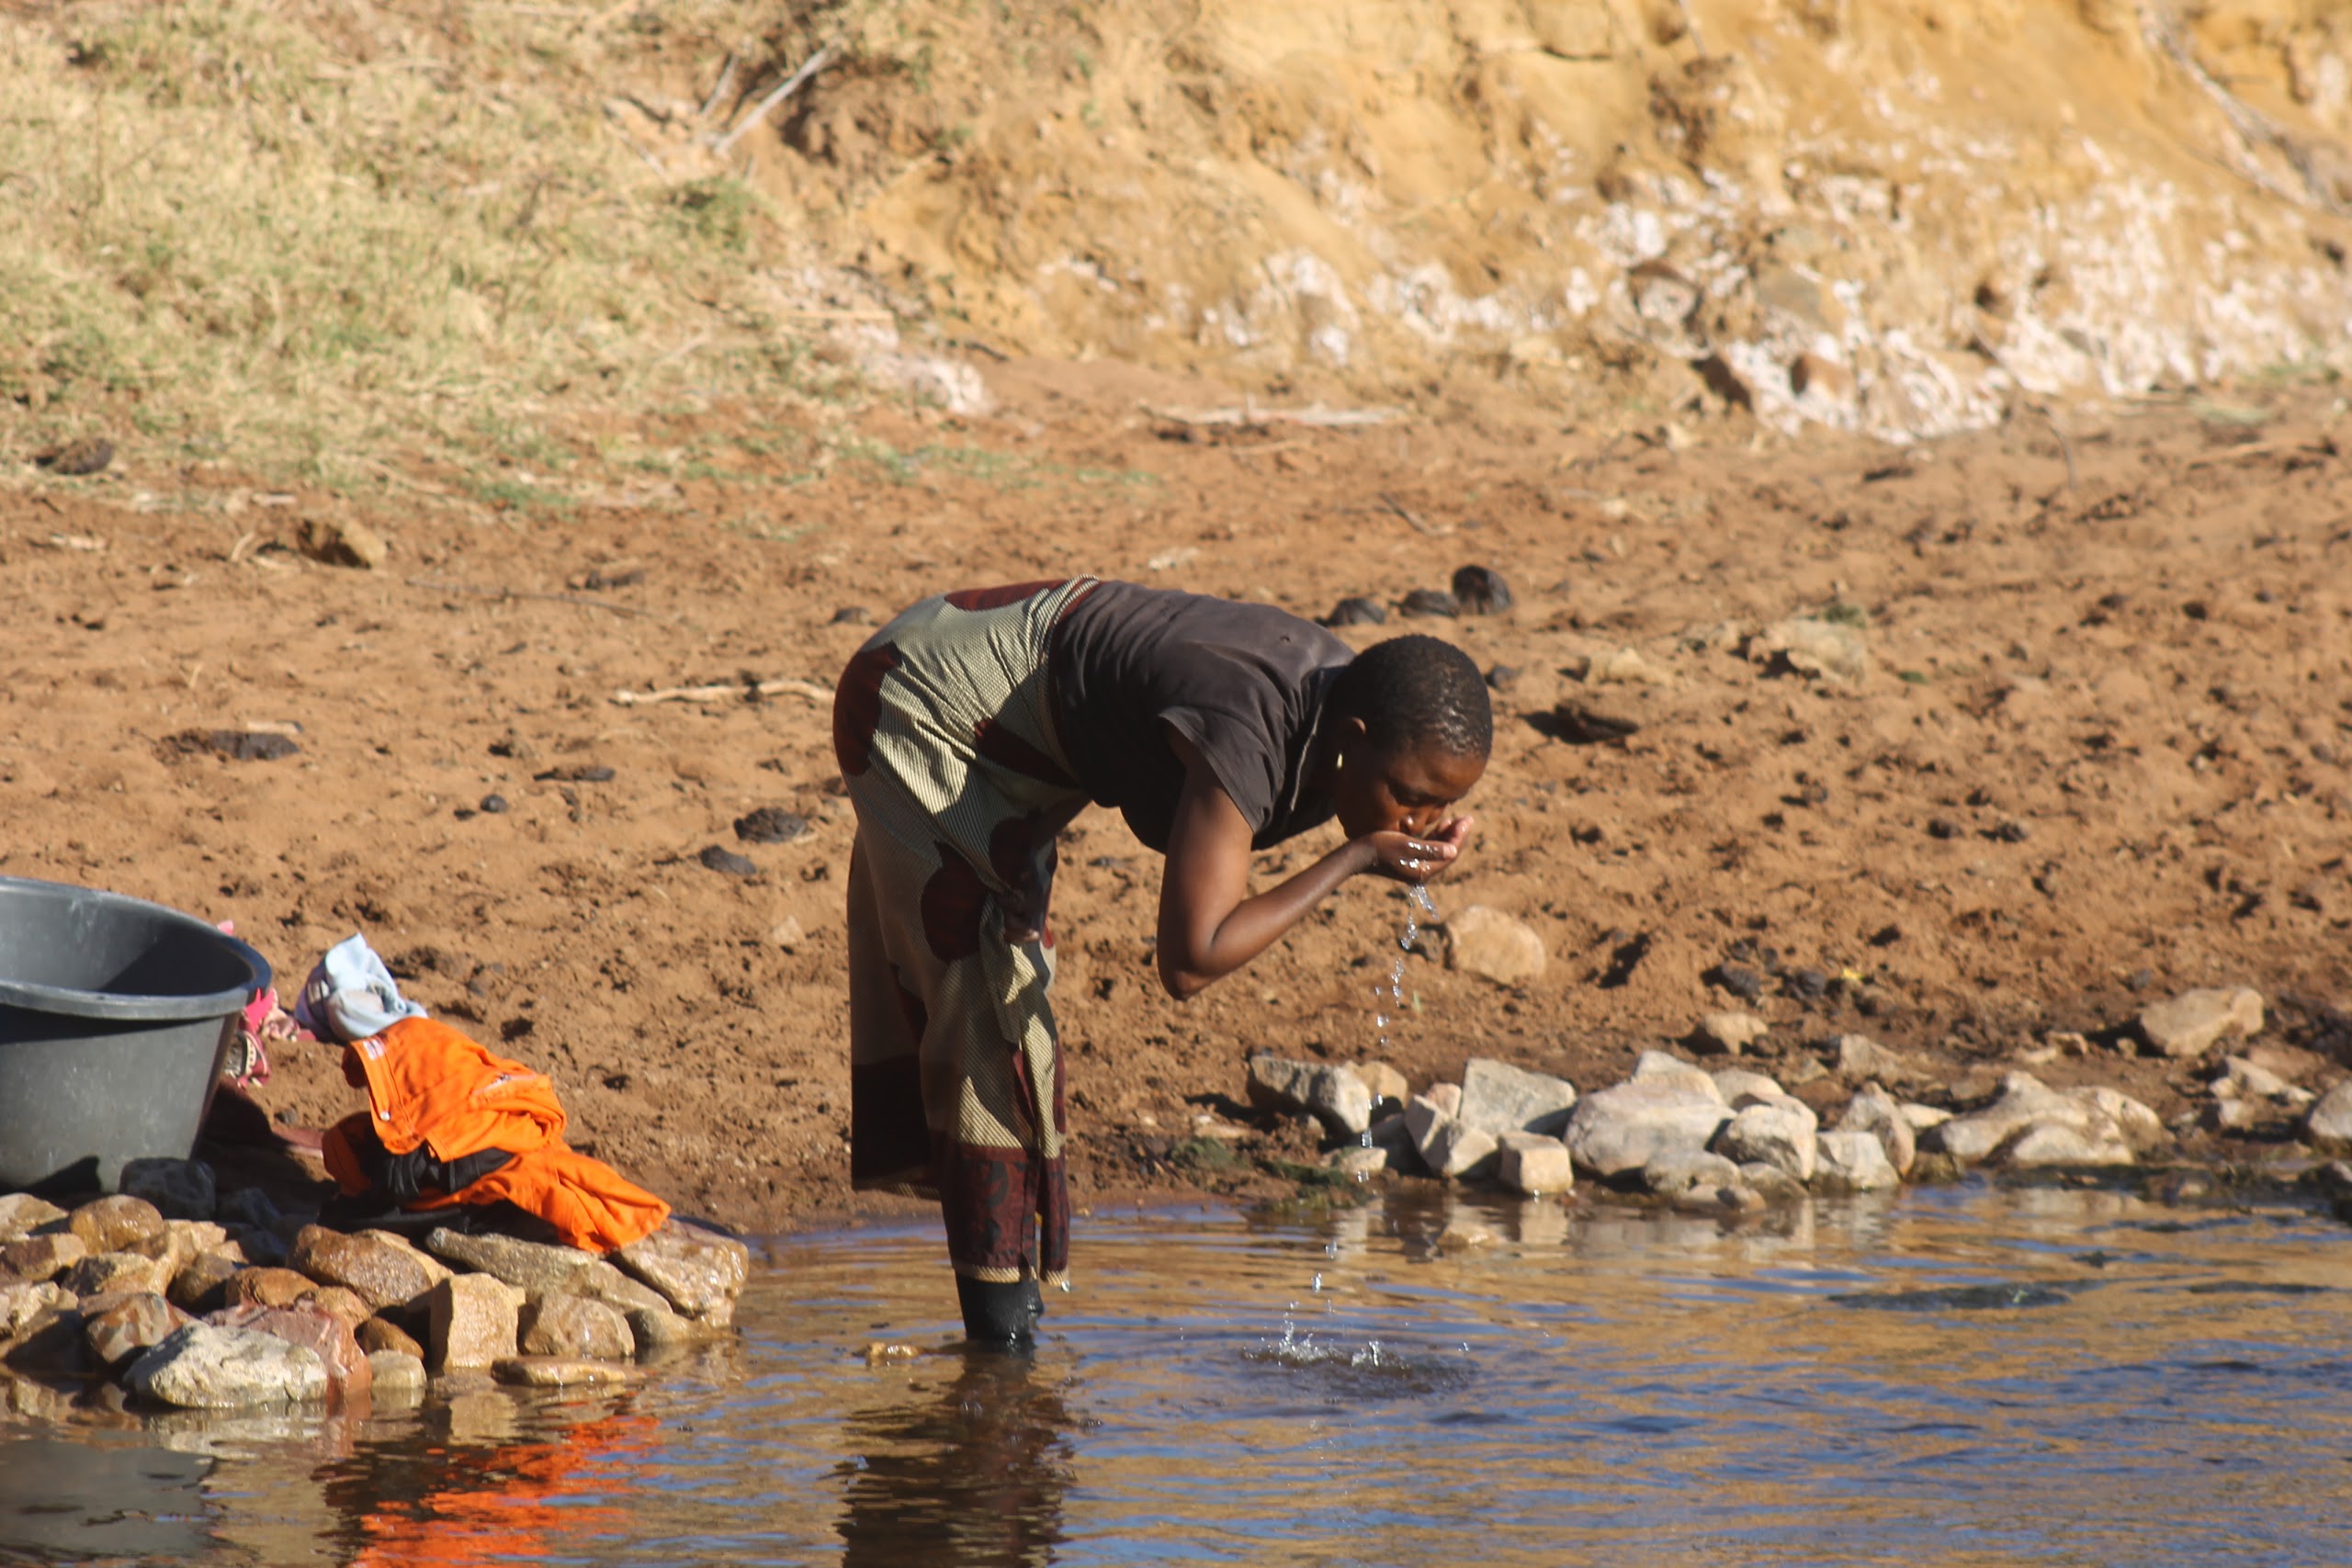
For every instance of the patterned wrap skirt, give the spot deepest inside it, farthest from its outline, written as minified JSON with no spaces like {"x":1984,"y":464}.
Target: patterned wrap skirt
{"x":944,"y":726}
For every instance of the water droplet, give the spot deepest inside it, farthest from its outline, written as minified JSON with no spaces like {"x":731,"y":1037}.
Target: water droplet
{"x":1319,"y":1281}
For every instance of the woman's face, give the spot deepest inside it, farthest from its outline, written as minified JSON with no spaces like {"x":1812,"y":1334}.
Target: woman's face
{"x":1406,"y":791}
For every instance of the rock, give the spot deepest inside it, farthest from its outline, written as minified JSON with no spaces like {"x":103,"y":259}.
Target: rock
{"x":41,"y":1256}
{"x":1658,"y":1067}
{"x":1360,"y":1161}
{"x":249,"y":1207}
{"x":1357,"y":612}
{"x":1732,"y":1082}
{"x":1773,"y":1184}
{"x":1502,"y":677}
{"x":600,"y":1281}
{"x":103,"y":1272}
{"x":656,"y":1329}
{"x":2193,"y":1022}
{"x":2103,"y":1124}
{"x":21,"y":1213}
{"x":2055,"y":1144}
{"x":1923,"y":1117}
{"x":266,"y":1287}
{"x":1828,"y":650}
{"x":576,"y":1326}
{"x":2330,"y":1123}
{"x":770,"y":825}
{"x":377,"y":1334}
{"x":1492,"y":946}
{"x":1534,"y":1165}
{"x":557,"y":1371}
{"x":341,"y":542}
{"x":382,"y":1271}
{"x":131,"y":1327}
{"x":700,"y":1269}
{"x":1498,"y":1097}
{"x":1430,"y":602}
{"x":2244,"y":1080}
{"x":1386,"y":1084}
{"x":1857,"y":1059}
{"x":1621,"y":666}
{"x":88,"y":454}
{"x":1850,"y":1160}
{"x":1781,"y":1133}
{"x":1447,"y":1097}
{"x":204,"y":1367}
{"x":1680,"y":1173}
{"x":728,"y":862}
{"x":179,"y":1189}
{"x":1387,"y":1145}
{"x":202,"y":1284}
{"x":1446,"y":1145}
{"x":536,"y":1268}
{"x":396,"y":1374}
{"x":24,"y":1305}
{"x":1481,"y":591}
{"x":1873,"y":1111}
{"x":1812,"y":375}
{"x":342,"y":1305}
{"x":328,"y":1338}
{"x":110,"y":1224}
{"x":1333,"y":1095}
{"x":1621,"y":1129}
{"x":1728,"y":1034}
{"x":472,"y":1321}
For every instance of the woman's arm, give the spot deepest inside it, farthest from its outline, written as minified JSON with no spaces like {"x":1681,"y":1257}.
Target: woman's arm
{"x":1209,"y":925}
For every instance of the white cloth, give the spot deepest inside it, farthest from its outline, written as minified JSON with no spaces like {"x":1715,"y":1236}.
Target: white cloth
{"x":351,"y":994}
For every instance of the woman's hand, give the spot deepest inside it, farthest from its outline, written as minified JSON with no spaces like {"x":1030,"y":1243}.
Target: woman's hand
{"x":1408,"y":857}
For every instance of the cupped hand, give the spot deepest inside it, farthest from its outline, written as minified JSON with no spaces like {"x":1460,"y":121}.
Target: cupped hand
{"x":1424,"y":857}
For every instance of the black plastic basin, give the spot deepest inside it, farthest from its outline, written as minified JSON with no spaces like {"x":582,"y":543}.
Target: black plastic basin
{"x":114,"y":1015}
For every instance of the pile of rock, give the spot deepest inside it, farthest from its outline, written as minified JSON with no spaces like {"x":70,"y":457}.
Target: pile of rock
{"x":189,"y":1302}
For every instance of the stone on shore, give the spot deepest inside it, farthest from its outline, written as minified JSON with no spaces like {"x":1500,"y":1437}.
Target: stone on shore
{"x":326,"y":1337}
{"x":1857,"y":1059}
{"x":21,"y":1214}
{"x":537,"y":1269}
{"x":576,"y":1327}
{"x":1773,"y":1184}
{"x":1779,"y":1132}
{"x":113,"y":1223}
{"x":1447,"y":1145}
{"x":1684,"y":1173}
{"x":1534,"y":1165}
{"x":202,"y":1366}
{"x":344,"y":1306}
{"x":22,"y":1305}
{"x":179,"y":1189}
{"x":381,"y":1333}
{"x":558,"y":1371}
{"x":2107,"y":1127}
{"x":472,"y":1321}
{"x":382,"y":1271}
{"x":1660,"y":1067}
{"x":1334,"y":1096}
{"x":1728,"y":1034}
{"x":700,"y":1270}
{"x":102,"y":1273}
{"x":656,"y":1329}
{"x":600,"y":1281}
{"x":1732,"y":1082}
{"x":1494,"y":946}
{"x":1852,"y":1160}
{"x":1387,"y":1085}
{"x":43,"y":1257}
{"x":266,"y":1287}
{"x":1498,"y":1097}
{"x":1620,"y":1130}
{"x":131,"y":1327}
{"x":396,"y":1374}
{"x":2195,"y":1021}
{"x":2330,"y":1123}
{"x":1873,"y":1111}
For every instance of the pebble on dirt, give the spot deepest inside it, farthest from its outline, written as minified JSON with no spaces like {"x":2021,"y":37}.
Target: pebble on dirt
{"x":1494,"y":946}
{"x":1481,"y":591}
{"x":727,"y":862}
{"x":1357,"y":612}
{"x":2195,"y":1021}
{"x":1728,"y":1034}
{"x":770,"y":825}
{"x":1430,"y":603}
{"x":341,"y":542}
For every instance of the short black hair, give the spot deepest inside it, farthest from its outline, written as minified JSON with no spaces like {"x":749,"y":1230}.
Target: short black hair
{"x":1416,"y":691}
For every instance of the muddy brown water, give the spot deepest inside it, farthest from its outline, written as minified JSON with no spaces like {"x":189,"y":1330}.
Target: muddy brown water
{"x":1963,"y":1376}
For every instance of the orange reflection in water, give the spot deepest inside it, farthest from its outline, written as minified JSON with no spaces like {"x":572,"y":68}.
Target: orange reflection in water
{"x":515,"y":1502}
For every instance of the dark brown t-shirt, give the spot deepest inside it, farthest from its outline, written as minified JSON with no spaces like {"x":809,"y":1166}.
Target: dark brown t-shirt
{"x":1243,"y":682}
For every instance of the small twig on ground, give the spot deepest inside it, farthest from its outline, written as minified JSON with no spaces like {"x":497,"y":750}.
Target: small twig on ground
{"x":439,"y":586}
{"x":722,"y":691}
{"x":726,"y":80}
{"x":2065,"y":448}
{"x":1392,"y":504}
{"x":791,"y":85}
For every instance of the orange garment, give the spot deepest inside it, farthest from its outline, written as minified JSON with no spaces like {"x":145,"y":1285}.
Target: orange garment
{"x":427,"y":1084}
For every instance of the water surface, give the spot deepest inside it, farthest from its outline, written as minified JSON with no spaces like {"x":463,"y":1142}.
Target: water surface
{"x":1961,"y":1376}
